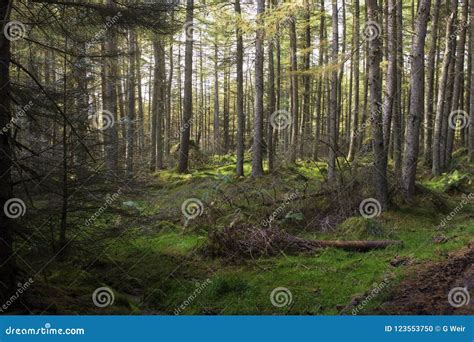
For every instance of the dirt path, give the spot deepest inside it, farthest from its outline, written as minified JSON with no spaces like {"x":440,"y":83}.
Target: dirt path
{"x":425,"y":291}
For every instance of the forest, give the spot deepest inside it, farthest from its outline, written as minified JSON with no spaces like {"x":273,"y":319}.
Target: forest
{"x":241,"y":157}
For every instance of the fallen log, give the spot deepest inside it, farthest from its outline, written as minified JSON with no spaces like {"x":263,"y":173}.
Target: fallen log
{"x":358,"y":246}
{"x":241,"y":242}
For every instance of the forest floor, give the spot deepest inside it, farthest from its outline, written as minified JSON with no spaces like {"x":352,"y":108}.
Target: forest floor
{"x":158,"y":262}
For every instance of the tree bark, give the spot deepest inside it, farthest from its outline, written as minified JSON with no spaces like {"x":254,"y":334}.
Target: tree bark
{"x":7,"y":260}
{"x":458,"y":78}
{"x":375,"y":85}
{"x":416,"y":99}
{"x":333,"y":100}
{"x":240,"y":94}
{"x":110,"y":102}
{"x":471,"y":99}
{"x":217,"y":148}
{"x":430,"y":81}
{"x":356,"y":62}
{"x":271,"y":100}
{"x":294,"y":92}
{"x":306,"y":131}
{"x":391,"y":83}
{"x":188,"y":93}
{"x":257,"y":156}
{"x":438,"y":143}
{"x":130,"y":119}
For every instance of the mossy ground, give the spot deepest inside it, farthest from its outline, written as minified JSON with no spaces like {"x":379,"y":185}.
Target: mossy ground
{"x":145,"y":250}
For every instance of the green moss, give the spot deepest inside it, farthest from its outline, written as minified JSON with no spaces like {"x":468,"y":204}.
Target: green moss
{"x":359,"y":228}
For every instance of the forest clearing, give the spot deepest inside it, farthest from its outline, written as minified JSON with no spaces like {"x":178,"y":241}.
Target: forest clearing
{"x":267,"y":157}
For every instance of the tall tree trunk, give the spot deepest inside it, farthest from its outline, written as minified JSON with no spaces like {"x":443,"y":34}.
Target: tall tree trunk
{"x":216,"y":101}
{"x":306,"y":131}
{"x":355,"y":61}
{"x":471,"y":99}
{"x":7,"y":261}
{"x":154,"y":105}
{"x":397,"y":112}
{"x":430,"y":81}
{"x":188,"y":93}
{"x":438,"y":143}
{"x":168,"y":134}
{"x":141,"y":111}
{"x":412,"y":140}
{"x":257,"y":157}
{"x":391,"y":83}
{"x":333,"y":112}
{"x":321,"y":80}
{"x":294,"y":91}
{"x":240,"y":94}
{"x":458,"y":78}
{"x":110,"y":102}
{"x":130,"y":121}
{"x":226,"y":110}
{"x":375,"y":85}
{"x":271,"y":100}
{"x":159,"y":98}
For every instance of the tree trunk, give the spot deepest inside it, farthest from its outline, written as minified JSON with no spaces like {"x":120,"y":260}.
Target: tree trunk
{"x":294,"y":92}
{"x":430,"y":81}
{"x":257,"y":157}
{"x":271,"y":100}
{"x":319,"y":107}
{"x":110,"y":102}
{"x":391,"y":84}
{"x":7,"y":261}
{"x":332,"y":124}
{"x":240,"y":95}
{"x":458,"y":78}
{"x":188,"y":93}
{"x":130,"y":120}
{"x":471,"y":99}
{"x":438,"y":143}
{"x":375,"y":85}
{"x":355,"y":61}
{"x":159,"y":99}
{"x":217,"y":148}
{"x":397,"y":111}
{"x":306,"y":131}
{"x":417,"y":98}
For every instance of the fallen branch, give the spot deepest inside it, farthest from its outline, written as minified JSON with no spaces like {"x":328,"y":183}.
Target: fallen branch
{"x":245,"y":242}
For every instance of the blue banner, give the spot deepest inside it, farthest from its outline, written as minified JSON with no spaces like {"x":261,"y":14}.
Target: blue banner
{"x":237,"y":328}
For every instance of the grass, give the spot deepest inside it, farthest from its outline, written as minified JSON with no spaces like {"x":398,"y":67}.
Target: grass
{"x":151,"y":259}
